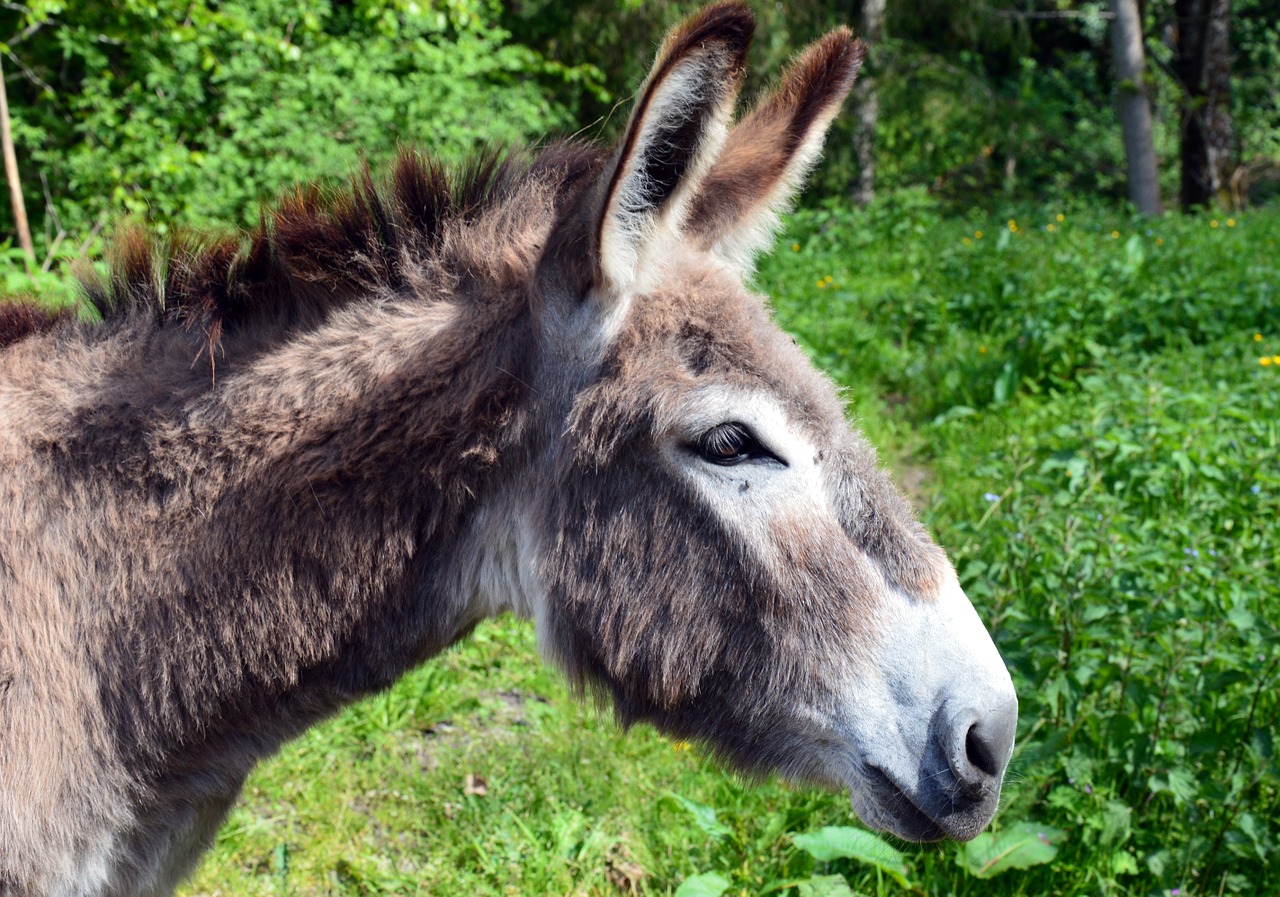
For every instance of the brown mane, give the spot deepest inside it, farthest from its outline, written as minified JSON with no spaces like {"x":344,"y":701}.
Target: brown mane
{"x":318,"y":249}
{"x":20,"y":318}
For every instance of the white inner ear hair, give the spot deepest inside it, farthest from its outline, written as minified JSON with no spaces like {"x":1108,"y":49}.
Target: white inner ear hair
{"x":757,"y":229}
{"x":635,"y":232}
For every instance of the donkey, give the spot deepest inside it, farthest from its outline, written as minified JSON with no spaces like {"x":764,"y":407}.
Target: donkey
{"x":287,"y":467}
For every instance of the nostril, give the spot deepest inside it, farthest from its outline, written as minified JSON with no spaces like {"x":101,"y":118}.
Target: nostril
{"x":979,"y":752}
{"x":978,"y":743}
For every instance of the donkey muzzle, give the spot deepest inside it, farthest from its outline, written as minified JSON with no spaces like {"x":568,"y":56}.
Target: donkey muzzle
{"x":954,"y":789}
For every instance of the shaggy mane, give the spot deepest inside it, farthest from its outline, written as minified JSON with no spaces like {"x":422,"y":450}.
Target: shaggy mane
{"x":21,"y":318}
{"x":318,"y":249}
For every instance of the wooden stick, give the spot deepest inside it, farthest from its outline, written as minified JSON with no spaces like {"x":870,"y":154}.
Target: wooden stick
{"x":11,"y":171}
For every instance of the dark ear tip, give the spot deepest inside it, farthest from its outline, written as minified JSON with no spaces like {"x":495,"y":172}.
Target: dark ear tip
{"x":730,"y":23}
{"x":828,"y":66}
{"x":730,"y":14}
{"x":842,"y":53}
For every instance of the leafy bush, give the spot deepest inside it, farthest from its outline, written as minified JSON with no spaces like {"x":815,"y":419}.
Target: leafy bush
{"x":950,"y":315}
{"x":194,"y":112}
{"x":1128,"y":557}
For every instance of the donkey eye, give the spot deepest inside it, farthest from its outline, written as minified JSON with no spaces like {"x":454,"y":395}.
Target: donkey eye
{"x":729,"y":444}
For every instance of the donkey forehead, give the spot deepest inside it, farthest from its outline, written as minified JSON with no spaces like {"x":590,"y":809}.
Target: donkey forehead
{"x":713,"y":337}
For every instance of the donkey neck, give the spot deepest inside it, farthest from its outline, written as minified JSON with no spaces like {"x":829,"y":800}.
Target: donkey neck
{"x":310,"y":526}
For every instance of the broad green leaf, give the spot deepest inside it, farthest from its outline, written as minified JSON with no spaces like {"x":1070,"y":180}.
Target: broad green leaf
{"x":1006,"y":383}
{"x":1159,"y":862}
{"x":1256,"y":832}
{"x":1178,"y":782}
{"x":706,"y":884}
{"x":1123,"y":863}
{"x":1019,"y":846}
{"x":1117,"y":822}
{"x":842,"y":842}
{"x":825,"y":886}
{"x":1241,"y":619}
{"x":1134,"y":253}
{"x":704,"y":816}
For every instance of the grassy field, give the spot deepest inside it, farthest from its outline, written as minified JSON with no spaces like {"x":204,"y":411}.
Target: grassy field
{"x":1086,"y":410}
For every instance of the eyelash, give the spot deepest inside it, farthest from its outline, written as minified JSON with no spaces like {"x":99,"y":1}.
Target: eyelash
{"x":731,"y":443}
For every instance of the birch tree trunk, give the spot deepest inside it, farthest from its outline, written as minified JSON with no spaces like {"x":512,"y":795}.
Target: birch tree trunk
{"x":1203,"y":64}
{"x":866,"y":104}
{"x":1134,"y":106}
{"x":11,"y":174}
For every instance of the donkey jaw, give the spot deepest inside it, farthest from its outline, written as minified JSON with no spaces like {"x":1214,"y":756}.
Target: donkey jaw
{"x":932,"y":733}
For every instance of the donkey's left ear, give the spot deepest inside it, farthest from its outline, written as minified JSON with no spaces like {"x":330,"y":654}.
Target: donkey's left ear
{"x":675,"y":133}
{"x":768,"y":154}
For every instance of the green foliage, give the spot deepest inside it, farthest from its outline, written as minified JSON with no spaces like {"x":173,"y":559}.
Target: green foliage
{"x":706,"y":884}
{"x":195,"y":112}
{"x":991,"y":306}
{"x":704,"y":816}
{"x":1256,"y":100}
{"x":1041,"y":128}
{"x":841,"y":842}
{"x":1020,"y":846}
{"x":1127,"y":554}
{"x":46,"y":283}
{"x":824,"y":886}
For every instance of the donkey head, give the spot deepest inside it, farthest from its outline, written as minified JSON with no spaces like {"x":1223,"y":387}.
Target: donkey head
{"x":715,"y":547}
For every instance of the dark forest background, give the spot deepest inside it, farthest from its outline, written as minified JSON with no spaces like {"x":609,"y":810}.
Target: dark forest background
{"x":194,"y":111}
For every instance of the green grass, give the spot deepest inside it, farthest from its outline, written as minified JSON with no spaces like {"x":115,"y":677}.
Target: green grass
{"x":377,"y":801}
{"x":1081,"y":411}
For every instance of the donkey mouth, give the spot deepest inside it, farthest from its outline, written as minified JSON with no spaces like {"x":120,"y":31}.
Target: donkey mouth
{"x":946,"y":812}
{"x":888,"y":807}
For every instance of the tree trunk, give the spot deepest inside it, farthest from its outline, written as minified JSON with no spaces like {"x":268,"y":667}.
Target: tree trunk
{"x":11,"y":172}
{"x":866,"y":104}
{"x":1203,"y":64}
{"x":1135,"y":107}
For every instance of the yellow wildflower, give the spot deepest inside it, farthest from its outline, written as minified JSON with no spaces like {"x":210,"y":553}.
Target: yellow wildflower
{"x":1061,"y":217}
{"x":1257,"y":337}
{"x":822,"y":284}
{"x":1264,"y":361}
{"x":1050,"y":228}
{"x":1115,"y":235}
{"x":977,"y":235}
{"x":1213,"y":223}
{"x":982,"y":350}
{"x":1275,"y":359}
{"x":965,"y":240}
{"x":1159,"y":241}
{"x":795,"y":247}
{"x":1231,"y":222}
{"x":829,"y":278}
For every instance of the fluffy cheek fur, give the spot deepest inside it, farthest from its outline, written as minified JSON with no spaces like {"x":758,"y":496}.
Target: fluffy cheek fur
{"x":627,"y":609}
{"x":658,"y":605}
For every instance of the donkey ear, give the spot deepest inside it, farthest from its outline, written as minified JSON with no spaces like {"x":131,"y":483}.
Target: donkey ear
{"x":769,"y":153}
{"x":675,"y":133}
